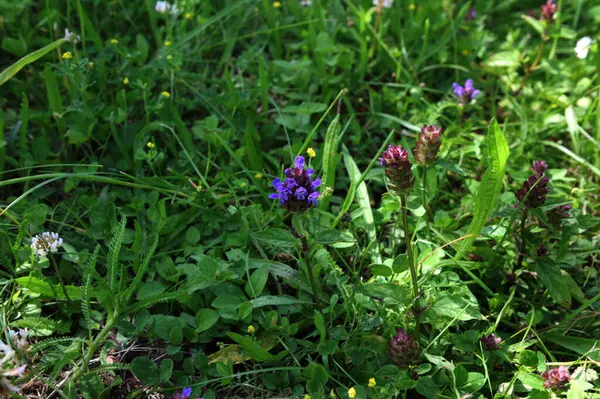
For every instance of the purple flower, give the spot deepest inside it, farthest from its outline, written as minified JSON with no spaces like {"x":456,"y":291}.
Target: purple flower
{"x":428,"y":144}
{"x":298,"y":192}
{"x":534,"y":191}
{"x":556,"y":215}
{"x":403,"y":349}
{"x":465,"y":94}
{"x":557,"y":378}
{"x":184,"y":394}
{"x":548,"y":11}
{"x":491,"y":342}
{"x":539,"y":167}
{"x":471,"y":15}
{"x":397,"y":169}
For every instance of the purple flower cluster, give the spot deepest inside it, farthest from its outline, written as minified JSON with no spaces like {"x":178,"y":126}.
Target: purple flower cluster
{"x":397,"y":169}
{"x":298,"y":192}
{"x":491,"y":342}
{"x":428,"y":144}
{"x":548,"y":10}
{"x":184,"y":394}
{"x":403,"y":349}
{"x":556,"y":378}
{"x":535,"y":188}
{"x":471,"y":15}
{"x":466,"y":93}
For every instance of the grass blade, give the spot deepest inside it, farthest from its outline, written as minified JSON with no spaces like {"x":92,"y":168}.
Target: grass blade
{"x":28,"y":59}
{"x":330,"y":156}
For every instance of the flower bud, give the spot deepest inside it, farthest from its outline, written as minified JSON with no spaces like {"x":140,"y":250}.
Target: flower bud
{"x":548,"y":11}
{"x":539,"y":167}
{"x":491,"y":342}
{"x":403,"y":349}
{"x":556,"y":378}
{"x":428,"y":144}
{"x":534,"y":191}
{"x":397,"y":169}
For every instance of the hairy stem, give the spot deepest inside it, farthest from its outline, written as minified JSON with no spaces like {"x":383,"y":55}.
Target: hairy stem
{"x":306,"y":255}
{"x":413,"y":270}
{"x":62,"y":283}
{"x":94,"y":346}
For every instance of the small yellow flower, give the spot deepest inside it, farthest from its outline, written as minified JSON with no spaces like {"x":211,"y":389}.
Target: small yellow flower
{"x":168,"y":43}
{"x":150,"y":145}
{"x":307,"y":396}
{"x":188,"y":16}
{"x":90,"y":65}
{"x":67,"y":55}
{"x":258,"y":176}
{"x":332,"y":394}
{"x":412,"y":7}
{"x":165,"y":94}
{"x":126,"y":81}
{"x":276,"y":4}
{"x":114,"y":41}
{"x":251,"y":329}
{"x":311,"y":152}
{"x":169,"y":57}
{"x":352,"y":393}
{"x":465,"y":52}
{"x":372,"y":382}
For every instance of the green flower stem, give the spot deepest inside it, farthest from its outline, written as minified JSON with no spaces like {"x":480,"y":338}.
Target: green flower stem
{"x":413,"y":269}
{"x":522,"y":248}
{"x":305,"y":246}
{"x":62,"y":283}
{"x":94,"y":346}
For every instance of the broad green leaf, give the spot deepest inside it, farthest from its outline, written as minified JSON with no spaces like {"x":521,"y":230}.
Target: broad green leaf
{"x":145,"y":370}
{"x":278,"y":238}
{"x":28,"y":59}
{"x":165,"y":370}
{"x":320,"y":325}
{"x":257,"y":282}
{"x":550,"y":274}
{"x":271,"y":300}
{"x":456,"y":306}
{"x":535,"y":24}
{"x":583,"y":346}
{"x":364,"y":202}
{"x":504,"y":59}
{"x":254,"y":350}
{"x":491,"y":183}
{"x":330,"y":157}
{"x":534,"y":381}
{"x":49,"y":289}
{"x":386,"y":291}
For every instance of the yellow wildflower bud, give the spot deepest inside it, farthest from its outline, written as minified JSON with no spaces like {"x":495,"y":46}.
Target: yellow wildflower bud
{"x":90,"y":65}
{"x":352,"y":393}
{"x":126,"y":81}
{"x":307,"y":396}
{"x":188,"y":15}
{"x":311,"y":152}
{"x":168,"y":43}
{"x":412,"y":7}
{"x":165,"y":94}
{"x":67,"y":55}
{"x":150,"y":145}
{"x":465,"y":52}
{"x":258,"y":176}
{"x":276,"y":4}
{"x":372,"y":382}
{"x":114,"y":41}
{"x":251,"y":329}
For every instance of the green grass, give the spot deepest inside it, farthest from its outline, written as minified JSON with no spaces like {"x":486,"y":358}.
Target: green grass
{"x":176,"y":268}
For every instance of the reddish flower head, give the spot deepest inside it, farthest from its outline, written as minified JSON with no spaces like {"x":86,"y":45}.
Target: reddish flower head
{"x":534,"y":191}
{"x":491,"y":342}
{"x":428,"y":144}
{"x":404,"y":350}
{"x":397,"y":169}
{"x":556,"y":378}
{"x":548,"y":11}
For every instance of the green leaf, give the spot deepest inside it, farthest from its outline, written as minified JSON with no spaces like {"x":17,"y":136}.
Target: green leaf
{"x":583,"y":346}
{"x":270,"y":300}
{"x":456,"y":306}
{"x":165,"y":370}
{"x":504,"y":59}
{"x":227,"y":301}
{"x":28,"y":59}
{"x":386,"y":291}
{"x":205,"y":319}
{"x":145,"y":370}
{"x":528,"y":358}
{"x":534,"y":381}
{"x":535,"y":24}
{"x":475,"y":381}
{"x":48,"y":289}
{"x":364,"y":202}
{"x":278,"y":238}
{"x":490,"y":185}
{"x":329,"y":237}
{"x":550,"y":274}
{"x":254,"y":350}
{"x":258,"y":280}
{"x":318,"y":378}
{"x":320,"y":325}
{"x":330,"y":158}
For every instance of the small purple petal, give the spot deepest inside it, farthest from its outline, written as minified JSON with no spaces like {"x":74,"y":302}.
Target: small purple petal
{"x":316,"y":183}
{"x":469,"y":84}
{"x":475,"y":93}
{"x":274,"y":196}
{"x":313,"y":198}
{"x":300,"y":193}
{"x":290,"y":183}
{"x":299,"y":163}
{"x":310,"y":171}
{"x":277,"y":184}
{"x":187,"y":392}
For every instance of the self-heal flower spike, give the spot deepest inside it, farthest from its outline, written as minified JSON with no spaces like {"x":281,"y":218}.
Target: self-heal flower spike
{"x":556,"y":378}
{"x":46,"y":242}
{"x":534,"y":191}
{"x":428,"y":144}
{"x":465,"y":94}
{"x":397,"y":169}
{"x":539,"y":167}
{"x":548,"y":10}
{"x":298,"y":192}
{"x":403,"y":349}
{"x":491,"y":342}
{"x":184,"y":394}
{"x":556,"y":215}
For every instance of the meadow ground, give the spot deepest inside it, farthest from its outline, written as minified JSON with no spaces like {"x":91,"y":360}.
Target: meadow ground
{"x":299,"y":199}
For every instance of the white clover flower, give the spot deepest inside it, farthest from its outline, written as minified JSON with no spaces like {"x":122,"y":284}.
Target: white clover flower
{"x":386,"y":3}
{"x":162,"y":7}
{"x":5,"y":385}
{"x":71,"y":36}
{"x":175,"y":10}
{"x":306,"y":3}
{"x":46,"y":242}
{"x":583,"y":47}
{"x":19,"y":338}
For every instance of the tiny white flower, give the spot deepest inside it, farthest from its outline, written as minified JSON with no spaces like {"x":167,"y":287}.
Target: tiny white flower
{"x":583,"y":47}
{"x":46,"y":242}
{"x":71,"y":36}
{"x":175,"y":10}
{"x":19,"y":338}
{"x":306,"y":3}
{"x":386,"y":3}
{"x":162,"y":7}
